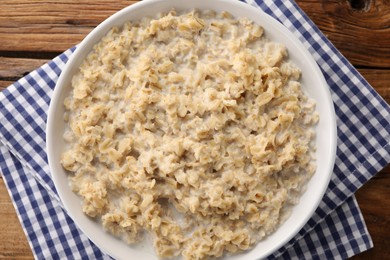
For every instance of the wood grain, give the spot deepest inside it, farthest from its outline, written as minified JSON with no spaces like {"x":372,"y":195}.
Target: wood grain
{"x":361,"y":34}
{"x":51,"y":25}
{"x":32,"y":32}
{"x":373,"y":199}
{"x":16,"y":68}
{"x":5,"y":83}
{"x":11,"y":69}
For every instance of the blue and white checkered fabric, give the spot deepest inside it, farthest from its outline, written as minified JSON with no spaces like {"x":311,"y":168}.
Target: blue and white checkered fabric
{"x":336,"y":230}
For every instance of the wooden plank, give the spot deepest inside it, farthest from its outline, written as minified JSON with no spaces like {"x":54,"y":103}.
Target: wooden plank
{"x":4,"y":84}
{"x":11,"y":69}
{"x":360,"y":29}
{"x":51,"y":25}
{"x":373,"y":199}
{"x":360,"y":34}
{"x":16,"y":68}
{"x":13,"y":243}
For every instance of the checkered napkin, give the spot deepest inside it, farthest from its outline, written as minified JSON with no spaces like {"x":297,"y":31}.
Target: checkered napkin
{"x":336,"y":230}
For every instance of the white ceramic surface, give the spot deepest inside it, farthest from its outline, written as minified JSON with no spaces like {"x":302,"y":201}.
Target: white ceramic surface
{"x":312,"y":82}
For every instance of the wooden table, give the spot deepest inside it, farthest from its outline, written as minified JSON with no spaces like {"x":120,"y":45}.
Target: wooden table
{"x":33,"y":32}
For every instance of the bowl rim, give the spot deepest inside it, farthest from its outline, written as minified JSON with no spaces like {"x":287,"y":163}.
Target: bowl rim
{"x":107,"y":24}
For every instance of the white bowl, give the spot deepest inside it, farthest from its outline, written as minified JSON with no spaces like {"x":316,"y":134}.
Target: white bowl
{"x":313,"y":84}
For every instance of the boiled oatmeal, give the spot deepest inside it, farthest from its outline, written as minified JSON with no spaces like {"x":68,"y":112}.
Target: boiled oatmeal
{"x":192,"y":129}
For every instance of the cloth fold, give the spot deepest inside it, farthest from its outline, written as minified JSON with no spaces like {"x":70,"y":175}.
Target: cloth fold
{"x":336,"y":230}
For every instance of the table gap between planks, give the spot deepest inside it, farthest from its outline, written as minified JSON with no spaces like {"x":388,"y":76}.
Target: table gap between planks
{"x":34,"y":32}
